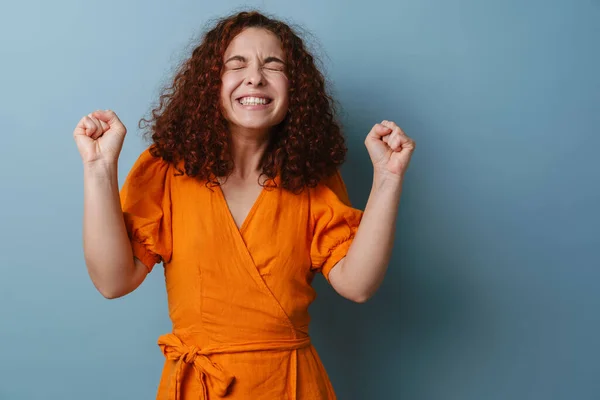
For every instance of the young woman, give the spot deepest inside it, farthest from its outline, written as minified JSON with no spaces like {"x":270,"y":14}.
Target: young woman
{"x":239,"y":196}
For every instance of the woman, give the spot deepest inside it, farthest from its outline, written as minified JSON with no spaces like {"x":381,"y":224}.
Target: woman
{"x":240,"y":199}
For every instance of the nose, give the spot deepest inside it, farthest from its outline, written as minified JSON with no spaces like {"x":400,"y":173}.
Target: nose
{"x":255,"y":76}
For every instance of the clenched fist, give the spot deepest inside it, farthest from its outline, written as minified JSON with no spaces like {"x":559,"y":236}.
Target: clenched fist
{"x":389,"y":148}
{"x":99,"y":137}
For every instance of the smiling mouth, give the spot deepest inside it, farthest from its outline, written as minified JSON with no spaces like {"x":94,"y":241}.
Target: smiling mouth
{"x":254,"y":101}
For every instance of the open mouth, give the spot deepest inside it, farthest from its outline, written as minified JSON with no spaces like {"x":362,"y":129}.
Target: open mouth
{"x":254,"y":101}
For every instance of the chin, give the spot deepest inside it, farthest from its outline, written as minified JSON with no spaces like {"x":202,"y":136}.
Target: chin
{"x":256,"y":125}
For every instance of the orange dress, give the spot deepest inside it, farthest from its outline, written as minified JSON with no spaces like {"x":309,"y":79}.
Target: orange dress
{"x":238,"y":298}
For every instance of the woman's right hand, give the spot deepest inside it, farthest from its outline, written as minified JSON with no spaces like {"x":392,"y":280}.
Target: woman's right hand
{"x":99,"y":137}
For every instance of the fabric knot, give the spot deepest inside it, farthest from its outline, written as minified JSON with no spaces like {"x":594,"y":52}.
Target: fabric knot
{"x":190,"y":355}
{"x":184,"y":356}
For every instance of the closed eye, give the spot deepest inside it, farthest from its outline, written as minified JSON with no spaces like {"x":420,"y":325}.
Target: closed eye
{"x":236,"y":62}
{"x":274,"y":64}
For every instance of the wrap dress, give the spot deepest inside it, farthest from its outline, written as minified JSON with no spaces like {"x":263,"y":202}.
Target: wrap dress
{"x":238,"y":298}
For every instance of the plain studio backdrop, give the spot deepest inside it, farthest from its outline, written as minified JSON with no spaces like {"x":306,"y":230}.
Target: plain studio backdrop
{"x":493,"y":289}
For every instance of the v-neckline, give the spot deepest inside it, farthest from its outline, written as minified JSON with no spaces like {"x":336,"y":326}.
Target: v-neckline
{"x":248,"y":216}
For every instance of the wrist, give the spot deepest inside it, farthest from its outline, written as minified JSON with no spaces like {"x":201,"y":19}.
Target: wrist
{"x":387,"y":181}
{"x":100,"y":169}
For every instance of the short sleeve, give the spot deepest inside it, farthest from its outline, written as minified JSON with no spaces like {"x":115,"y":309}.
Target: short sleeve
{"x":146,"y":204}
{"x":335,"y":223}
{"x":336,"y":184}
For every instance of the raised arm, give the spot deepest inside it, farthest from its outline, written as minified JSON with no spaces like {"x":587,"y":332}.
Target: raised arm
{"x":358,"y":275}
{"x":107,"y":248}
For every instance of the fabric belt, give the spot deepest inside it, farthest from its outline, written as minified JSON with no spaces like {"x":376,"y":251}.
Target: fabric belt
{"x":210,"y":374}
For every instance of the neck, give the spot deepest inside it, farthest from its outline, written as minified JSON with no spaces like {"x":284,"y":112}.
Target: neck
{"x":248,"y":148}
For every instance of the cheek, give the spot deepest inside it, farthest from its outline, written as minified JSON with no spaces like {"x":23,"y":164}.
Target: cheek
{"x":225,"y":99}
{"x":283,"y":88}
{"x":228,"y":85}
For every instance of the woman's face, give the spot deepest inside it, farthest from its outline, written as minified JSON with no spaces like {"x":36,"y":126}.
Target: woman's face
{"x":254,"y":84}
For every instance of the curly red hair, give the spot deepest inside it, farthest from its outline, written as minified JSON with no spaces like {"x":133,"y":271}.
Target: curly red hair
{"x":188,"y":125}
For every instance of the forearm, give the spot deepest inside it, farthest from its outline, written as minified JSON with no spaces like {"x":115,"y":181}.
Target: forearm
{"x":107,"y":248}
{"x":367,"y":260}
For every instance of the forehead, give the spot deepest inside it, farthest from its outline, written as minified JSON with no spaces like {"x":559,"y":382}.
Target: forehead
{"x":255,"y":40}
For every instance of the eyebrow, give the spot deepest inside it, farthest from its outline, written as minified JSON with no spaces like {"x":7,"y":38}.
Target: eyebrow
{"x":265,"y":61}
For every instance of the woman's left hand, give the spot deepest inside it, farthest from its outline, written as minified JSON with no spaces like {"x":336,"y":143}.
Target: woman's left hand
{"x":390,"y":149}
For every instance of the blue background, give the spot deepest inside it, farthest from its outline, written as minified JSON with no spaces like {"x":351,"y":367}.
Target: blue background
{"x":492,"y":292}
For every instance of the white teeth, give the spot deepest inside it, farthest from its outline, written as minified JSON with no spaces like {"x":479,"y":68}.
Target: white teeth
{"x":252,"y":101}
